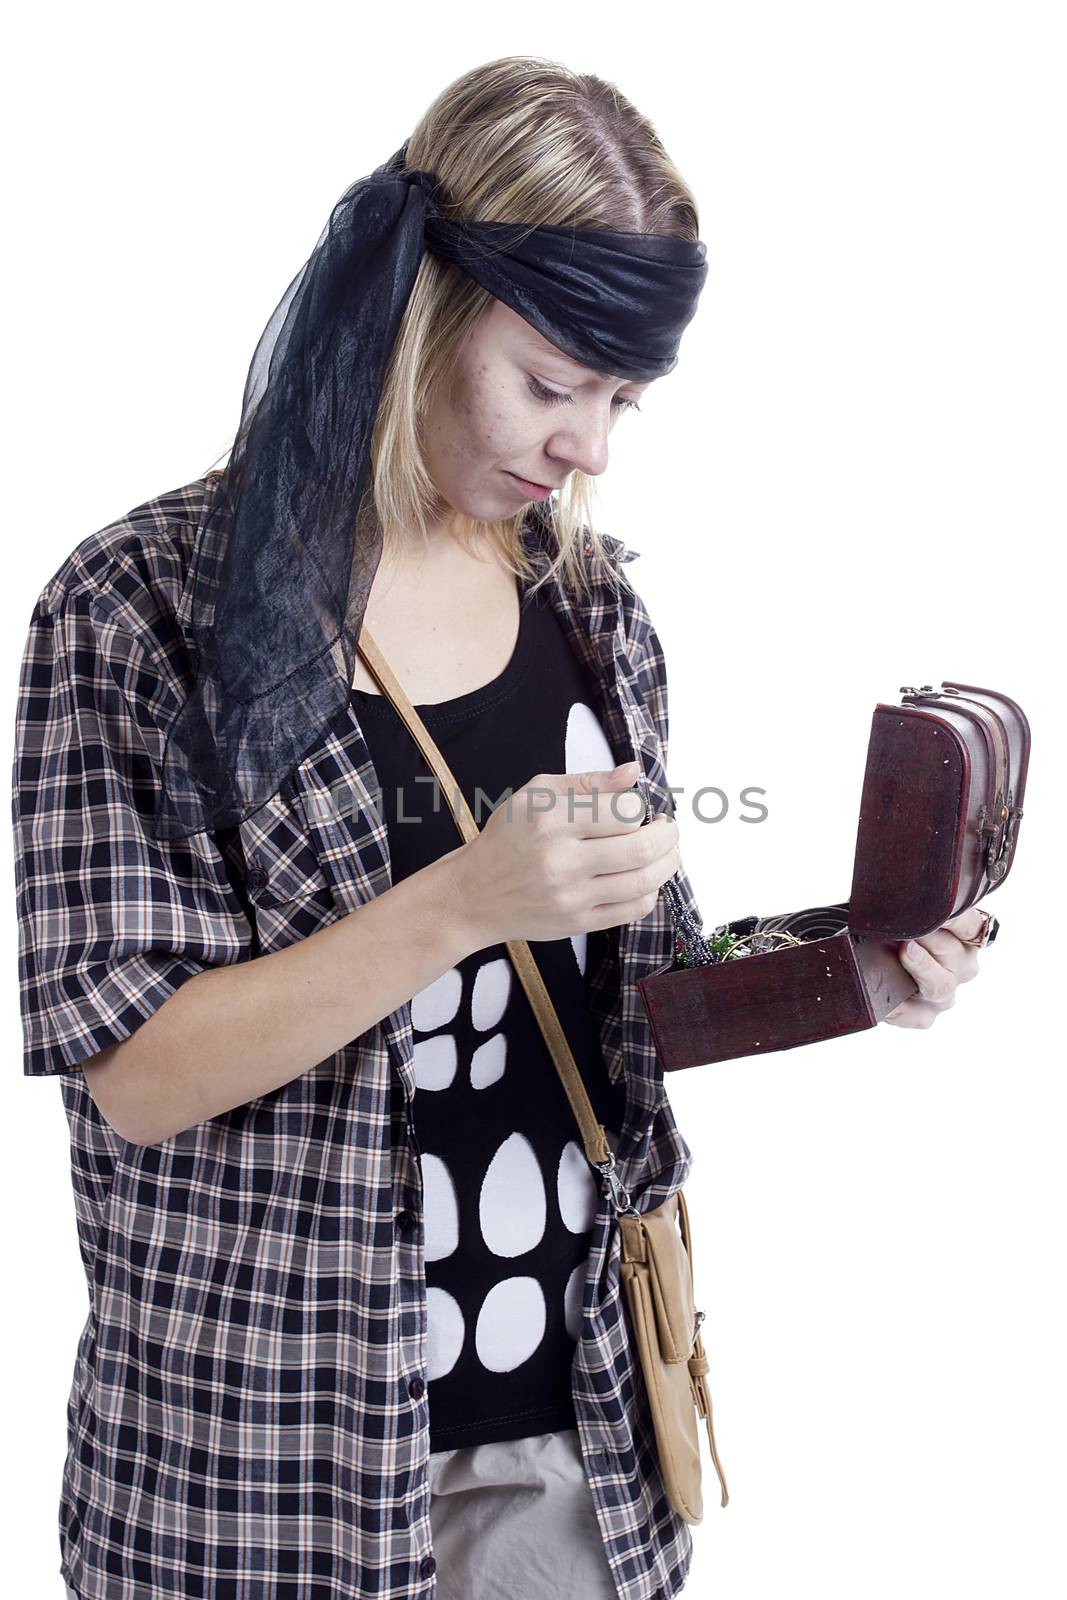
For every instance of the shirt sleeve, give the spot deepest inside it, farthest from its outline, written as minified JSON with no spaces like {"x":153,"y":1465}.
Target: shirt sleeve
{"x":651,"y":675}
{"x":111,"y":922}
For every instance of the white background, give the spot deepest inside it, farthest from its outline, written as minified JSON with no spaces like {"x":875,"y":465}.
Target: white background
{"x":853,"y":480}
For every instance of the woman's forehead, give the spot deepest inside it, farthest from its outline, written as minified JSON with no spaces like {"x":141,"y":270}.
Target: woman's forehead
{"x":532,"y":341}
{"x":536,"y":344}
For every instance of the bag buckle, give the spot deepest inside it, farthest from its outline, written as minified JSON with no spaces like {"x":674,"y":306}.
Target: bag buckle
{"x":617,"y":1193}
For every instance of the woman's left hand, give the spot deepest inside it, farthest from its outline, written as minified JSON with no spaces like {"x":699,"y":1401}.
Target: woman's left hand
{"x":942,"y":961}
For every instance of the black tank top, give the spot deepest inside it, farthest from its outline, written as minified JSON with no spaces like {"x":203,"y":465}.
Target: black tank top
{"x":510,"y":1198}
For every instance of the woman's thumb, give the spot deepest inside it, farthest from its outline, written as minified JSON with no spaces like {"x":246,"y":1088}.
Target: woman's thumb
{"x":624,"y":773}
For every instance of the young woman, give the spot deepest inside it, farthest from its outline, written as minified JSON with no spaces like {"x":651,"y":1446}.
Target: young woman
{"x":355,"y":1325}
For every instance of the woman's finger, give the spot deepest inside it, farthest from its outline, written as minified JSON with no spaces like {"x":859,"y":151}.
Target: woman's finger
{"x":914,"y":1013}
{"x":936,"y":983}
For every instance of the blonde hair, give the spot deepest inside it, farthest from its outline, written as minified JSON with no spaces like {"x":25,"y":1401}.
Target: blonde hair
{"x":519,"y":139}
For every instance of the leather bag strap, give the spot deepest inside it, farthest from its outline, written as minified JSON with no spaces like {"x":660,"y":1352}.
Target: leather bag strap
{"x":597,"y":1149}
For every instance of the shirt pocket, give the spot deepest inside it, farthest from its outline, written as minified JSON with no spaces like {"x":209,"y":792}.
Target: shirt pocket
{"x":281,"y":865}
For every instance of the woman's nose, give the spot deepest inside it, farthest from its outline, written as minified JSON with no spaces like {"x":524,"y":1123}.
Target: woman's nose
{"x":583,"y":442}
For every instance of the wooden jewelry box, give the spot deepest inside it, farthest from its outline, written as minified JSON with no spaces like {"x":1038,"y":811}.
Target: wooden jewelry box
{"x":938,"y":826}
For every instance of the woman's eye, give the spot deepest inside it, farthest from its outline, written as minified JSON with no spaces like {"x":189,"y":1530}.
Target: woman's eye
{"x":550,"y":397}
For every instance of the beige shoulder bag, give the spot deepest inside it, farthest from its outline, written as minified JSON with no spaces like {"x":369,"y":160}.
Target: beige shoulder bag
{"x":656,"y":1266}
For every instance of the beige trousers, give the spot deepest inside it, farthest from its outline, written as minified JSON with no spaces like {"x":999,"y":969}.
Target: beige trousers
{"x":516,"y":1519}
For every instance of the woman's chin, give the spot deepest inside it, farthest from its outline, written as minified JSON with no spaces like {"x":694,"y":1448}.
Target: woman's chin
{"x":489,"y":507}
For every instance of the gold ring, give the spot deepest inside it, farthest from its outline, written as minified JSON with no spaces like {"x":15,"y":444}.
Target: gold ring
{"x":982,"y":937}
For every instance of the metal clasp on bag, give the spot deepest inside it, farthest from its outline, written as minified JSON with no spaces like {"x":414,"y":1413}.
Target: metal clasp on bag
{"x":996,"y":838}
{"x":615,"y":1189}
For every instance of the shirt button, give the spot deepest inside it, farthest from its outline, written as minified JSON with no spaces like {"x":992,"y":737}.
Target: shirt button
{"x":427,"y":1566}
{"x":416,"y":1388}
{"x":404,"y":1220}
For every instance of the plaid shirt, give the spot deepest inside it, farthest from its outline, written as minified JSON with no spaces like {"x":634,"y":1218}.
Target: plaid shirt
{"x":248,"y":1418}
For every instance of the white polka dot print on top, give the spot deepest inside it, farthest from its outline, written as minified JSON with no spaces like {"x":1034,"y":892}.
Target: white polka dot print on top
{"x":445,"y":1334}
{"x":512,"y":1205}
{"x":585,"y":742}
{"x":572,"y":1300}
{"x":511,"y":1324}
{"x":438,"y":1003}
{"x":488,"y":1062}
{"x":492,"y":986}
{"x":442,"y":1211}
{"x":586,"y":750}
{"x":575,"y":1189}
{"x":434,"y":1061}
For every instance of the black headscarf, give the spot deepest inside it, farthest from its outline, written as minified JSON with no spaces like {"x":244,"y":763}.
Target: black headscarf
{"x":275,"y":662}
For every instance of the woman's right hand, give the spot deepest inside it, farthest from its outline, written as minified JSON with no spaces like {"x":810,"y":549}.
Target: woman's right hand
{"x":568,"y":853}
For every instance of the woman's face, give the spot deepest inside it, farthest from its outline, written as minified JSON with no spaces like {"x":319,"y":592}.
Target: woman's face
{"x":496,"y":421}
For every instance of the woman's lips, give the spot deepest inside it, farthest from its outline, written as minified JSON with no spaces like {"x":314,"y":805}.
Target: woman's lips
{"x":533,"y":491}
